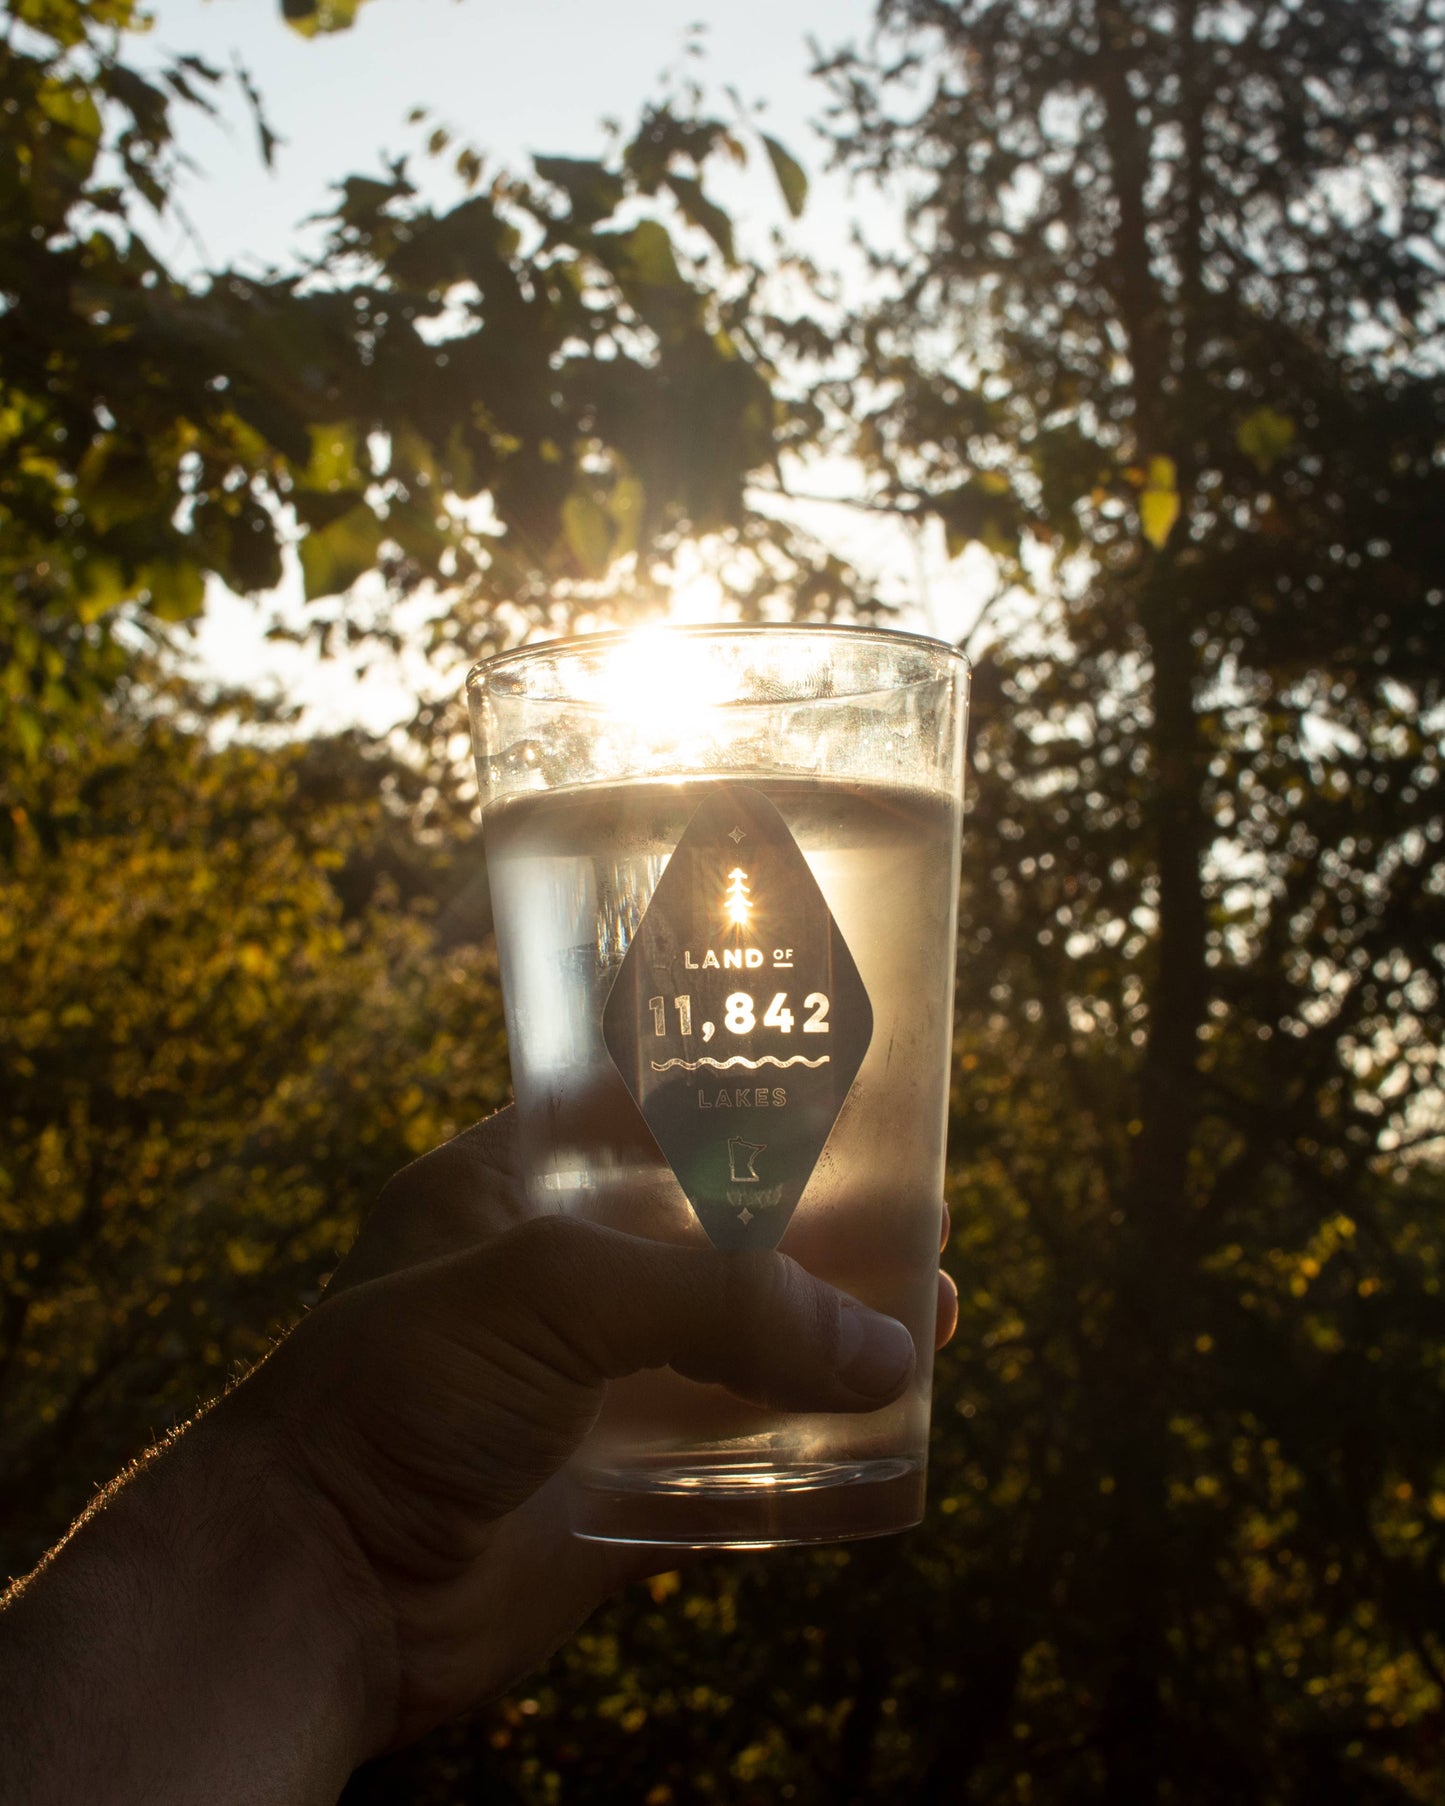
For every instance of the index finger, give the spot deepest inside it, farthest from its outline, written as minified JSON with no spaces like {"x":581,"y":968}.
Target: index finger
{"x":460,"y":1196}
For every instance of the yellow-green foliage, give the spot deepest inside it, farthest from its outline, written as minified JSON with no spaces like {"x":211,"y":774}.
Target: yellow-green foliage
{"x":208,"y":1065}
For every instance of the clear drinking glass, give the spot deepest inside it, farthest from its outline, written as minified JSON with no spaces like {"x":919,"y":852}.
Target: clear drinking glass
{"x":724,"y":876}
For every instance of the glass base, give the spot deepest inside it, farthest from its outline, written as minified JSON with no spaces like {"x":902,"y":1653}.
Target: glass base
{"x":723,"y":1503}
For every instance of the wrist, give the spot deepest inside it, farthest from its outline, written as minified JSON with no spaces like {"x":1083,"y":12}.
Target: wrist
{"x":317,"y":1618}
{"x":195,"y":1635}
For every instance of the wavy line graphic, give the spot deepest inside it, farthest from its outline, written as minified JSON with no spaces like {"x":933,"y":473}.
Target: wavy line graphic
{"x":740,"y":1060}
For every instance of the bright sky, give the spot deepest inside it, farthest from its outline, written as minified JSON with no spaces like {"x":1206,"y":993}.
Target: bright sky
{"x":511,"y":79}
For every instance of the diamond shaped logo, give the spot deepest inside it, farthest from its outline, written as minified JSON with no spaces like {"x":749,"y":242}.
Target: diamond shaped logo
{"x":738,"y":1019}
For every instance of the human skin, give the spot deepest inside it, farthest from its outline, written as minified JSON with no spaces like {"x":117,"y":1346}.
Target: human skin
{"x":369,"y":1534}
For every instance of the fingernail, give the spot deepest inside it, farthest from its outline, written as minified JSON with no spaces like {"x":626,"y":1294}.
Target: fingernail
{"x":874,"y":1352}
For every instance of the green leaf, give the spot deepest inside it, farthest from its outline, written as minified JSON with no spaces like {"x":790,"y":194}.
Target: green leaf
{"x":146,"y":104}
{"x":470,"y":243}
{"x":55,"y":18}
{"x":700,"y":211}
{"x":593,"y":191}
{"x":251,"y":553}
{"x":335,"y":463}
{"x":265,"y":137}
{"x":74,"y":119}
{"x":100,"y":586}
{"x":316,"y":509}
{"x":641,"y":258}
{"x":1265,"y":438}
{"x":981,"y":511}
{"x":415,"y":526}
{"x":627,"y":507}
{"x":1158,"y":511}
{"x":177,"y":588}
{"x":589,"y":533}
{"x":333,"y":558}
{"x":1159,"y":507}
{"x":663,"y":137}
{"x":27,"y":728}
{"x":364,"y":199}
{"x":118,"y":483}
{"x":792,"y":179}
{"x":312,"y":18}
{"x":643,"y":263}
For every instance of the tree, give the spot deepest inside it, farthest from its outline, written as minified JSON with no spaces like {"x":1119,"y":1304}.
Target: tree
{"x":504,"y":397}
{"x":231,"y":1012}
{"x":1165,"y":337}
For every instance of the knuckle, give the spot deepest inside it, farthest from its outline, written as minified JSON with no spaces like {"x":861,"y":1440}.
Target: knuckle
{"x":781,"y":1327}
{"x":553,"y":1245}
{"x":422,"y":1184}
{"x":538,"y":1285}
{"x":821,"y":1309}
{"x":404,"y":1187}
{"x":482,"y":1153}
{"x":489,"y":1147}
{"x":755,"y":1290}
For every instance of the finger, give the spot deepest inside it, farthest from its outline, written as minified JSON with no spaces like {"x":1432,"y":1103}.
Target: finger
{"x":600,"y":1304}
{"x":461,"y":1194}
{"x":947,"y":1320}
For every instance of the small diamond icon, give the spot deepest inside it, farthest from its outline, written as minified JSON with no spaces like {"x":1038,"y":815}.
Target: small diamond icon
{"x":737,"y":836}
{"x":745,"y":1217}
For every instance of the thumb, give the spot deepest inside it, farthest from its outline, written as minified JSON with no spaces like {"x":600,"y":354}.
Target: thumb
{"x":599,"y":1304}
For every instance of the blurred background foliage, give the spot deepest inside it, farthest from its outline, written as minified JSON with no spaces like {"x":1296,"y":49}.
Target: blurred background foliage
{"x":1163,"y":332}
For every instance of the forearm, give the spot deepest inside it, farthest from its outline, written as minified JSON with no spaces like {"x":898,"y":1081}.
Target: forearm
{"x":184,"y":1644}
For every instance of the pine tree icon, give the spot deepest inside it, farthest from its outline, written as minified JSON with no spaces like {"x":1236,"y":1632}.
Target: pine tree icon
{"x":738,"y":901}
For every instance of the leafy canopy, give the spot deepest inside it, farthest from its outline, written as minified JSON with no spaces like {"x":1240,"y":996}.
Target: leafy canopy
{"x":1164,"y":338}
{"x":502,"y":397}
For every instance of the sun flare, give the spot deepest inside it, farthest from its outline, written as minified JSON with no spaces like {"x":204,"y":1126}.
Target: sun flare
{"x":737,"y":903}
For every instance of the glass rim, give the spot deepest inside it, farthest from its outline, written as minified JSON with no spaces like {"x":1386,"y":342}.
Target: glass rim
{"x":716,"y":630}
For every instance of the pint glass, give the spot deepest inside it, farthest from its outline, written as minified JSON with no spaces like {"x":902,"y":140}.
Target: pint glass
{"x":724,"y":875}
